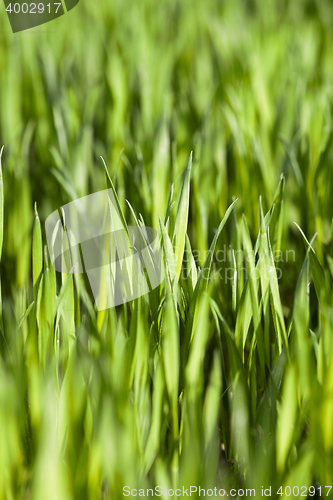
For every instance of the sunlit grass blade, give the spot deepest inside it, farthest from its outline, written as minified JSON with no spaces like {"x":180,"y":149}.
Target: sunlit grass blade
{"x":253,"y":286}
{"x":191,"y":269}
{"x":180,"y":228}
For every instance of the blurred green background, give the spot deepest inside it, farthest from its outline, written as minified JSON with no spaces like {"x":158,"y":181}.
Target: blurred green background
{"x":92,"y":401}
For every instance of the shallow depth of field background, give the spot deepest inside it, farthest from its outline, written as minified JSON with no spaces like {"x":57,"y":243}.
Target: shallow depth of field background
{"x":218,"y":382}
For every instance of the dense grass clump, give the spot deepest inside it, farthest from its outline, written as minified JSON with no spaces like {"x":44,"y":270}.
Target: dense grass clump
{"x":223,"y":375}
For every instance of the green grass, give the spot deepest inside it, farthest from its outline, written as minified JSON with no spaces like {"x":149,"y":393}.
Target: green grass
{"x":223,"y":375}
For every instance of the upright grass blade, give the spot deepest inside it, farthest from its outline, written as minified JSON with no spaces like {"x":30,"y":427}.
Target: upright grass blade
{"x":324,"y":295}
{"x":26,"y":314}
{"x":243,"y":318}
{"x":253,"y":285}
{"x":197,"y":350}
{"x":180,"y":228}
{"x":276,"y":224}
{"x":37,"y":253}
{"x":301,"y":324}
{"x":45,"y":314}
{"x":319,"y":278}
{"x":264,"y":282}
{"x":171,"y":360}
{"x":192,"y":273}
{"x":170,"y":205}
{"x":276,"y":305}
{"x":110,"y":185}
{"x":200,"y":287}
{"x":169,"y":255}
